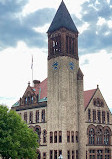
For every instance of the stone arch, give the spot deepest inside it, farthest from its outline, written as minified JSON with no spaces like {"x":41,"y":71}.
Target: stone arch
{"x":38,"y":131}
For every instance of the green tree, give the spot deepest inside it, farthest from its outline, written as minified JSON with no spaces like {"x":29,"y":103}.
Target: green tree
{"x":16,"y":139}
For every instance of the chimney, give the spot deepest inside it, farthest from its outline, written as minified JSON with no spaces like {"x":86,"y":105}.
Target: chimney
{"x":36,"y":83}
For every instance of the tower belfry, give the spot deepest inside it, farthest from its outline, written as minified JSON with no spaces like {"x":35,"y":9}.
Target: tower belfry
{"x":65,"y":87}
{"x":62,"y":35}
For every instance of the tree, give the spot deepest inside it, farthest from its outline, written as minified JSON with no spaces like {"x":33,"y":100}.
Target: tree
{"x":16,"y":139}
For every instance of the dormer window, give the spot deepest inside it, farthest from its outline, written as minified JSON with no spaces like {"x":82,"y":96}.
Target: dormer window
{"x":26,"y":100}
{"x":32,"y":100}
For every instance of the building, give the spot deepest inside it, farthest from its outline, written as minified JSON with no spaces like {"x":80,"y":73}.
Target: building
{"x":69,"y":121}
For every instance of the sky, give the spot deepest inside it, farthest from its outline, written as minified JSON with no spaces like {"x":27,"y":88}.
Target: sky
{"x":23,"y":27}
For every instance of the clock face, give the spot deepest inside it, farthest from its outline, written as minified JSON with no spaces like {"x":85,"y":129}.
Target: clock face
{"x":55,"y":65}
{"x":71,"y":65}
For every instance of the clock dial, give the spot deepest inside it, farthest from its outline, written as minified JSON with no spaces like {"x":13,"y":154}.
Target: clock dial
{"x":71,"y":65}
{"x":55,"y":65}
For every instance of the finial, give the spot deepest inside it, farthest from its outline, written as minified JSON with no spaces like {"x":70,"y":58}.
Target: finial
{"x":97,"y":86}
{"x":29,"y":83}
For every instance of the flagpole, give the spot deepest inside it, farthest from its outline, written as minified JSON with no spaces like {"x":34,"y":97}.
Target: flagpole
{"x":32,"y":69}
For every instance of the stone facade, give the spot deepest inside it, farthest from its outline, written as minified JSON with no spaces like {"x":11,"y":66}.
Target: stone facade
{"x":69,"y":121}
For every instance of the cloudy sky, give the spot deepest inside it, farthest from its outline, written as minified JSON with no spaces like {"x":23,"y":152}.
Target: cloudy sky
{"x":23,"y":27}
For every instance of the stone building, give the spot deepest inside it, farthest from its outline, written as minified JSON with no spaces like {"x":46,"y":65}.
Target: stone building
{"x":70,"y":122}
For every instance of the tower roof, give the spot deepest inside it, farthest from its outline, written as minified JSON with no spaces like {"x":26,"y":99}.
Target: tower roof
{"x":62,"y":19}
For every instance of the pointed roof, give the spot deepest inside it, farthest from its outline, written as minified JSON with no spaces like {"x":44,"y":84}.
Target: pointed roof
{"x":62,"y":19}
{"x":88,"y":96}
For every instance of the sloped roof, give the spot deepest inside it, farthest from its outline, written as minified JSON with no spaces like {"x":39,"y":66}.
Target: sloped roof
{"x":41,"y":90}
{"x":62,"y":19}
{"x":88,"y":96}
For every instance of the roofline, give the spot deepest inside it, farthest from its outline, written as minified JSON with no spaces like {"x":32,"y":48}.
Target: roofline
{"x":91,"y":98}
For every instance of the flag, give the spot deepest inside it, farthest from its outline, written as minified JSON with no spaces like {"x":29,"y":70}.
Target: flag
{"x":32,"y":63}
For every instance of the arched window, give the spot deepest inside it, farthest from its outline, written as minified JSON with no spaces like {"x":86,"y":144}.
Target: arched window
{"x":38,"y":130}
{"x":51,"y":137}
{"x":31,"y":100}
{"x":44,"y":136}
{"x":25,"y":100}
{"x":91,"y":136}
{"x":99,"y":136}
{"x":106,"y":137}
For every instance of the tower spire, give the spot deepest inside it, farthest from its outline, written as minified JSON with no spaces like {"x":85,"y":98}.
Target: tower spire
{"x":62,"y":19}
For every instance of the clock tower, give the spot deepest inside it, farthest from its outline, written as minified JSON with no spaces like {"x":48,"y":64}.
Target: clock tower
{"x":65,"y":107}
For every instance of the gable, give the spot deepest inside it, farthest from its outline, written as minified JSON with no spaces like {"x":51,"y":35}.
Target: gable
{"x":97,"y":101}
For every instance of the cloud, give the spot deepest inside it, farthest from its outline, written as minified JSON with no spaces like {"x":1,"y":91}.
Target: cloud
{"x":96,"y":36}
{"x":14,"y":28}
{"x":95,"y":68}
{"x":8,"y":7}
{"x":39,"y":17}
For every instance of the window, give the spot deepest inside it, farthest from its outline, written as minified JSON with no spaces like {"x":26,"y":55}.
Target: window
{"x":72,"y":154}
{"x":99,"y":116}
{"x":44,"y":136}
{"x":107,"y":153}
{"x":106,"y":137}
{"x":91,"y":154}
{"x":44,"y":155}
{"x":55,"y":154}
{"x":94,"y":116}
{"x":37,"y":116}
{"x":68,"y":154}
{"x":99,"y":136}
{"x":55,"y":137}
{"x":60,"y":136}
{"x":25,"y":100}
{"x":29,"y":100}
{"x":51,"y":154}
{"x":99,"y":154}
{"x":25,"y":117}
{"x":60,"y":152}
{"x":108,"y":117}
{"x":103,"y":117}
{"x":31,"y":117}
{"x":68,"y":136}
{"x":32,"y":100}
{"x":38,"y":131}
{"x":39,"y":154}
{"x":89,"y":115}
{"x":56,"y":45}
{"x":51,"y":137}
{"x":72,"y":136}
{"x":77,"y":156}
{"x":91,"y":136}
{"x":70,"y":42}
{"x":76,"y":136}
{"x":43,"y":115}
